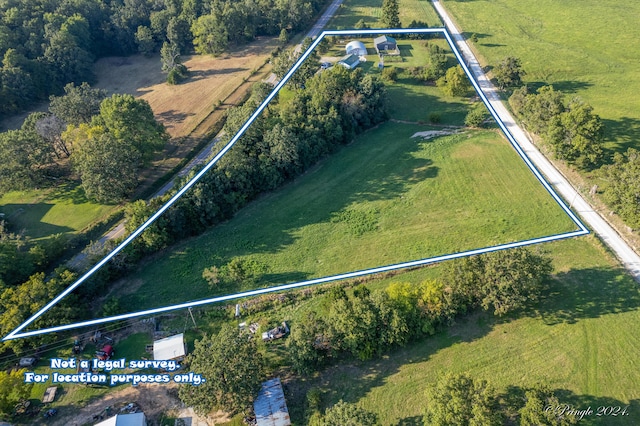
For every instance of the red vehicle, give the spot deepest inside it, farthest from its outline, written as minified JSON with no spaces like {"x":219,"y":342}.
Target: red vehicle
{"x":106,"y":353}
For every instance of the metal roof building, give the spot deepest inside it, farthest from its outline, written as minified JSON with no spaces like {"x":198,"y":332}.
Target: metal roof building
{"x":356,"y":47}
{"x":171,"y":347}
{"x":135,"y":419}
{"x":270,"y":406}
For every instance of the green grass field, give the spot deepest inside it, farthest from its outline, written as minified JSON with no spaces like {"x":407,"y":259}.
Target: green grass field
{"x":584,"y":48}
{"x":42,"y":213}
{"x":577,"y":340}
{"x":370,"y":11}
{"x":386,"y":198}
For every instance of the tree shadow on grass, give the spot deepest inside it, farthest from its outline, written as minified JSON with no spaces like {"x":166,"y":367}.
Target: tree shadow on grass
{"x":28,"y":218}
{"x":587,"y":293}
{"x":587,"y":409}
{"x":568,"y":87}
{"x":625,"y":132}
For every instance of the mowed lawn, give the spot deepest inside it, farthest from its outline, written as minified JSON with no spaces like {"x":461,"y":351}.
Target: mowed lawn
{"x":585,"y":48}
{"x":579,"y":340}
{"x":42,"y":213}
{"x":386,"y":198}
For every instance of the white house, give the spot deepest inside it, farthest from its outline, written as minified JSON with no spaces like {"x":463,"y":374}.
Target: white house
{"x":349,"y":61}
{"x":356,"y":47}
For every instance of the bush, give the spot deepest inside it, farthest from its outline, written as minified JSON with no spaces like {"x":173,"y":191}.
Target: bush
{"x":390,"y":74}
{"x":177,"y":75}
{"x":477,"y":115}
{"x":434,"y":118}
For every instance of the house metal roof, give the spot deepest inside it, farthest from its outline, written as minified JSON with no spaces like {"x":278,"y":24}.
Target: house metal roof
{"x":270,"y":406}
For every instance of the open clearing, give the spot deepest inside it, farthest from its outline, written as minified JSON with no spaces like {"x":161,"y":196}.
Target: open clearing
{"x":182,"y":107}
{"x":370,"y":12}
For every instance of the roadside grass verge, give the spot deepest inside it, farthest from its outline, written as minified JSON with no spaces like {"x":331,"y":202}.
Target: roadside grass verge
{"x":584,"y":48}
{"x":385,"y":198}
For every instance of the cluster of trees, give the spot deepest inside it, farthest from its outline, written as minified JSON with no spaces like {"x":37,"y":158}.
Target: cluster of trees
{"x":106,"y":138}
{"x":344,"y":414}
{"x":458,"y":399}
{"x":623,"y":186}
{"x":436,"y":64}
{"x":233,"y":368}
{"x":13,"y":390}
{"x":367,"y":324}
{"x":280,"y":144}
{"x":572,"y":130}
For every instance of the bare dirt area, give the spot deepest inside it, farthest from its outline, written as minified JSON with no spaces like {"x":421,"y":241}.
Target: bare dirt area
{"x":182,"y":107}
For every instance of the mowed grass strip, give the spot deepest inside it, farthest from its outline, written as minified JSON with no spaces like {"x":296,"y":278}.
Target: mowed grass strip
{"x":577,"y":340}
{"x":584,"y":48}
{"x":386,"y":198}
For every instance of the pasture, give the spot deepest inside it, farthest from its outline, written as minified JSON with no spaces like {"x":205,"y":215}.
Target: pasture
{"x":584,"y":48}
{"x":577,"y":340}
{"x":388,"y":197}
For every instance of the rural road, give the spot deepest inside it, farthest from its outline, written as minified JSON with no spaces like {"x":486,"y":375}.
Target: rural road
{"x":629,"y":258}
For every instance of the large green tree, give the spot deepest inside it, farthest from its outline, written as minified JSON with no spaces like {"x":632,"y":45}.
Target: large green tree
{"x":454,"y":82}
{"x":107,"y":167}
{"x":542,"y":408}
{"x":576,"y":135}
{"x":131,"y":121}
{"x":232,"y":367}
{"x":210,"y":36}
{"x":390,"y":14}
{"x":345,"y":414}
{"x":509,"y":72}
{"x":78,"y":104}
{"x":24,"y":160}
{"x":623,"y":186}
{"x":459,"y":400}
{"x":13,"y":389}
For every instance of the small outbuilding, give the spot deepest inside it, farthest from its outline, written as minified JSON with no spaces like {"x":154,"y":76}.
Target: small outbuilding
{"x":350,"y":61}
{"x":270,"y":406}
{"x":134,"y":419}
{"x":356,"y":47}
{"x":385,"y":44}
{"x":169,"y":348}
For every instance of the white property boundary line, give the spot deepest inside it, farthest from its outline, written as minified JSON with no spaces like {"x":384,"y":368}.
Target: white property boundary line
{"x":15,"y":334}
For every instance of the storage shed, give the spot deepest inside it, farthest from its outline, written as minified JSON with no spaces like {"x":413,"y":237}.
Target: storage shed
{"x":270,"y":406}
{"x":171,"y":347}
{"x":385,"y":44}
{"x":356,"y":47}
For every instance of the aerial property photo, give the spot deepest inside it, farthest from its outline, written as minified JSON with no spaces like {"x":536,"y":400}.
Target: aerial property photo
{"x":390,"y":212}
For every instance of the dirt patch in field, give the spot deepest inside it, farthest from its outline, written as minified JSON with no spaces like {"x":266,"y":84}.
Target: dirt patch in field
{"x":182,"y":107}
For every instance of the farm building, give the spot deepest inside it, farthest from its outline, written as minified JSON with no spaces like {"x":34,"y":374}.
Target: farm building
{"x":385,"y":44}
{"x":270,"y":406}
{"x":171,"y":347}
{"x":349,"y":61}
{"x":134,"y":419}
{"x":356,"y":47}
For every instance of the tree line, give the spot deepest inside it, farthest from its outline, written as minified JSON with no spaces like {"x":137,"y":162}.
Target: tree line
{"x":367,"y":324}
{"x":46,"y":44}
{"x":575,"y":134}
{"x":364,"y":325}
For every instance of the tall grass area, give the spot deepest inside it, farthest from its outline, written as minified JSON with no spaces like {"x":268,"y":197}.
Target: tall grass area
{"x":370,"y":12}
{"x":386,"y":198}
{"x":583,"y":47}
{"x":42,"y":213}
{"x":578,"y":340}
